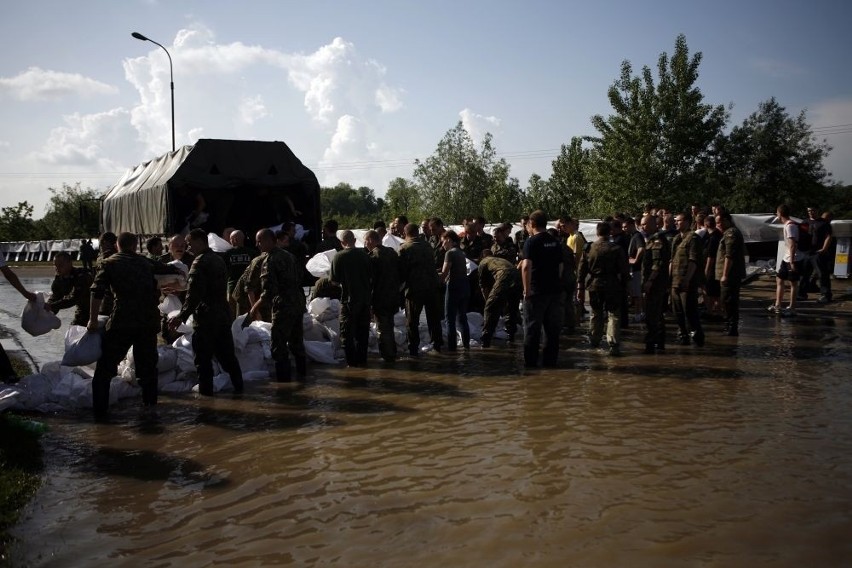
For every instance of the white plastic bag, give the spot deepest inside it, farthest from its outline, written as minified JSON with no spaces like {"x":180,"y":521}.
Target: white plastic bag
{"x":239,"y":333}
{"x":217,"y":243}
{"x":320,"y":264}
{"x":36,"y":320}
{"x":81,"y":347}
{"x":170,"y":304}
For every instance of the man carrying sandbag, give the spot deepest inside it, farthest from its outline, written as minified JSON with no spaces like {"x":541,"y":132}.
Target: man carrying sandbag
{"x":133,"y":321}
{"x":206,"y":301}
{"x":7,"y":373}
{"x":70,"y":287}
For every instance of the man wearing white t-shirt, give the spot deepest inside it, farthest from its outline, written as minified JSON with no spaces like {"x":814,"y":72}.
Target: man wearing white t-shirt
{"x":791,"y":265}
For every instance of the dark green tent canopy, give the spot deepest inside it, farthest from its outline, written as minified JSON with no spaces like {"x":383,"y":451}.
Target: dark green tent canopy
{"x":215,"y":184}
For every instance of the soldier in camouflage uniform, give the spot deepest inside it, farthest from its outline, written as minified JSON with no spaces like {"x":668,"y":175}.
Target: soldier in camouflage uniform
{"x":655,"y":284}
{"x":421,"y":287}
{"x":106,"y":246}
{"x":473,"y":243}
{"x":237,"y":260}
{"x":730,"y":271}
{"x":133,"y":321}
{"x":385,"y":300}
{"x":503,"y":247}
{"x":502,"y":288}
{"x":352,"y":269}
{"x":71,"y":287}
{"x":607,"y":271}
{"x":686,"y":276}
{"x":206,"y":301}
{"x":282,"y":292}
{"x":248,"y":288}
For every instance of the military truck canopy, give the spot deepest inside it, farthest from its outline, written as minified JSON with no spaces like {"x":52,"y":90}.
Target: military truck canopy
{"x":215,"y":184}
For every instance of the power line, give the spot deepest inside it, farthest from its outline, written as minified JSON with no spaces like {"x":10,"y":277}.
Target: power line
{"x":520,"y":155}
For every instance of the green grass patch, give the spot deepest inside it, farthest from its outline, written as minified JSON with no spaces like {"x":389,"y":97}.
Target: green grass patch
{"x":20,"y":466}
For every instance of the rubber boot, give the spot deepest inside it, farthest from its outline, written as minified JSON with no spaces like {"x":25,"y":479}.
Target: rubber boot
{"x":301,"y":368}
{"x":283,"y":372}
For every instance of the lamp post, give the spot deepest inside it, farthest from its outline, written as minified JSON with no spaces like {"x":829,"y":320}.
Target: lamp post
{"x":140,"y":37}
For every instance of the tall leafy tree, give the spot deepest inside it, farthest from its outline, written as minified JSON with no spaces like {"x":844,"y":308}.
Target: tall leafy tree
{"x":402,"y":198}
{"x":352,"y":208}
{"x":72,"y":213}
{"x":569,"y":182}
{"x":452,"y":180}
{"x":16,"y":223}
{"x":658,"y":142}
{"x":772,"y":158}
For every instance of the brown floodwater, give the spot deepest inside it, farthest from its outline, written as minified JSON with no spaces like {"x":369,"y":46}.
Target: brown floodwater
{"x":737,"y":454}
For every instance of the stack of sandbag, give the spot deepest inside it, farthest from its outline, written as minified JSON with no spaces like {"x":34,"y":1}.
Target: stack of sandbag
{"x":325,"y":316}
{"x":59,"y":387}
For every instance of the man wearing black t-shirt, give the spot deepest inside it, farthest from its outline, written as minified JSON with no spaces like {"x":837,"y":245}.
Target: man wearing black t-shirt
{"x":541,"y":272}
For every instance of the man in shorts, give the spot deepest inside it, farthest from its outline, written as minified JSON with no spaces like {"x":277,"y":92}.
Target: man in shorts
{"x":790,"y":267}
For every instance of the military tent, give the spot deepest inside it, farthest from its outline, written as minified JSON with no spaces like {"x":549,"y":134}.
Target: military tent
{"x":215,"y":184}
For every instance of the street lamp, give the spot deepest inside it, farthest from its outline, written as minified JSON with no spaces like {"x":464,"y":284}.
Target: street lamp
{"x":140,"y":37}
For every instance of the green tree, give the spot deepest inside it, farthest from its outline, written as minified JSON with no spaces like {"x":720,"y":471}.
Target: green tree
{"x":72,"y":213}
{"x":16,"y":223}
{"x":402,"y":198}
{"x":569,"y":183}
{"x":771,"y":158}
{"x":352,"y":208}
{"x":658,"y":143}
{"x":451,"y":179}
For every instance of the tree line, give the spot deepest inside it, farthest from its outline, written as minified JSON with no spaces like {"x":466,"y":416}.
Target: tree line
{"x":661,"y":144}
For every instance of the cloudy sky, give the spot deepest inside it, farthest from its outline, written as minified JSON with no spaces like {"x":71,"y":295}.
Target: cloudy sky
{"x":359,"y":90}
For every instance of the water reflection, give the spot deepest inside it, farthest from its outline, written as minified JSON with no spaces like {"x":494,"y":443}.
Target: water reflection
{"x":736,"y":454}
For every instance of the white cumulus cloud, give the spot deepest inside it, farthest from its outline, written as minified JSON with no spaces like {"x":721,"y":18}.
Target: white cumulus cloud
{"x":88,"y":140}
{"x":478,"y":125}
{"x":36,"y":84}
{"x":251,"y":110}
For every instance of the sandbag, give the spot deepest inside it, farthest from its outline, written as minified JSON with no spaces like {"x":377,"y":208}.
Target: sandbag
{"x":319,"y":265}
{"x":239,"y":332}
{"x":36,"y":320}
{"x":170,"y":304}
{"x":321,"y":352}
{"x":8,"y":398}
{"x":217,"y":243}
{"x":81,"y":347}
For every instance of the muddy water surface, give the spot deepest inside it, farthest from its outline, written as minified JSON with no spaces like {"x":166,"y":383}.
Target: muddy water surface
{"x":733,"y":455}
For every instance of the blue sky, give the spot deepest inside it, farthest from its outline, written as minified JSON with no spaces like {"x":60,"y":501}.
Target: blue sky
{"x":360,"y":89}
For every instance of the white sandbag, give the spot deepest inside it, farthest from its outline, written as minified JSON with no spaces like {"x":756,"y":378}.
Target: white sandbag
{"x":185,"y":327}
{"x":183,"y":342}
{"x":36,"y":320}
{"x":399,"y":319}
{"x":176,"y":282}
{"x":185,"y":361}
{"x":170,"y":303}
{"x":217,"y":243}
{"x":34,"y":390}
{"x":52,"y":369}
{"x":319,"y":265}
{"x":471,"y":266}
{"x":392,"y":241}
{"x":252,"y":358}
{"x":259,"y":332}
{"x":319,"y":306}
{"x":8,"y":398}
{"x":256,"y":375}
{"x":166,"y":358}
{"x":81,"y":347}
{"x":321,"y":352}
{"x":119,"y":389}
{"x":180,"y":265}
{"x":475,"y":321}
{"x":239,"y":333}
{"x":178,"y":386}
{"x":314,"y":331}
{"x":166,"y":377}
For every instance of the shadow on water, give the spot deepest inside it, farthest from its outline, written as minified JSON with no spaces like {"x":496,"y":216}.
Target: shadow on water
{"x":239,"y":420}
{"x":148,"y":465}
{"x":346,"y":405}
{"x":397,"y":386}
{"x":690,"y":373}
